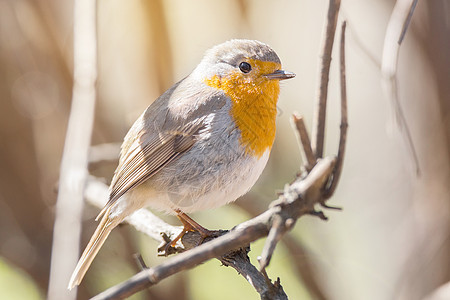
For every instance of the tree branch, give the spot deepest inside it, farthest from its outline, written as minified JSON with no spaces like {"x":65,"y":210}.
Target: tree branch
{"x":344,"y":123}
{"x":304,"y":267}
{"x":144,"y":221}
{"x":318,"y":134}
{"x":395,"y":32}
{"x":97,"y":194}
{"x":307,"y":153}
{"x":298,"y":199}
{"x":407,"y":21}
{"x":104,"y":152}
{"x":74,"y":163}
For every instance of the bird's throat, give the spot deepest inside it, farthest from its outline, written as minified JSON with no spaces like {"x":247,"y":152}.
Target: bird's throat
{"x":253,"y":109}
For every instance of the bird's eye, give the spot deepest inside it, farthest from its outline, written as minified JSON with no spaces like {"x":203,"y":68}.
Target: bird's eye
{"x":245,"y":67}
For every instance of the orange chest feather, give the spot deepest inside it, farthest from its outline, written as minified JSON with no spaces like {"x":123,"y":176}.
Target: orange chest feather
{"x":253,"y":109}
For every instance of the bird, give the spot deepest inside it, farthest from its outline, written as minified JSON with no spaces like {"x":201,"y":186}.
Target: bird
{"x":200,"y":145}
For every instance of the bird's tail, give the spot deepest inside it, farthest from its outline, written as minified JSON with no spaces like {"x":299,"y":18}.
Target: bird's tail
{"x":98,"y":238}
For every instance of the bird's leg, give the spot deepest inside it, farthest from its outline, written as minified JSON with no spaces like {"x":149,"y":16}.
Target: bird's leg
{"x":189,"y":225}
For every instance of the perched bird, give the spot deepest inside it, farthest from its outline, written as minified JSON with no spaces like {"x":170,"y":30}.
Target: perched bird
{"x":200,"y":145}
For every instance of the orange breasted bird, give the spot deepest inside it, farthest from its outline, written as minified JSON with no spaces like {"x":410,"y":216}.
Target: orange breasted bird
{"x":200,"y":145}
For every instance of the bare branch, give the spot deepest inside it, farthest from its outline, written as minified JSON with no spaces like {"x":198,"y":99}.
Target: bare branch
{"x":140,"y":261}
{"x":318,"y":134}
{"x":240,"y":261}
{"x":97,"y":194}
{"x":407,"y":21}
{"x":69,"y":206}
{"x":395,"y":32}
{"x":305,"y":268}
{"x":275,"y":234}
{"x":303,"y":137}
{"x":298,"y":199}
{"x":104,"y":152}
{"x":344,"y":123}
{"x":143,"y":220}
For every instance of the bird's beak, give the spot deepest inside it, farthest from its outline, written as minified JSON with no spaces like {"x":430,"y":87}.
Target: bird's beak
{"x":280,"y":75}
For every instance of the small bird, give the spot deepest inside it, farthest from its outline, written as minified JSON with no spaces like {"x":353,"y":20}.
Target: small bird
{"x":200,"y":145}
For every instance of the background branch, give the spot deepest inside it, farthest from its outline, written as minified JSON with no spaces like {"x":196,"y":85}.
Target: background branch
{"x":97,"y":194}
{"x":407,"y":21}
{"x":69,"y":206}
{"x":395,"y":32}
{"x":104,"y":152}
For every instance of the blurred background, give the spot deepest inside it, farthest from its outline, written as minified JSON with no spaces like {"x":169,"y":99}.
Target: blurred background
{"x":392,"y":239}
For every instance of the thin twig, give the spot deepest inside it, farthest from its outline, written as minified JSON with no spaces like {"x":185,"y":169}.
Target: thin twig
{"x":303,"y":137}
{"x":297,"y":200}
{"x":140,"y":261}
{"x":318,"y":134}
{"x":407,"y":21}
{"x":69,"y":206}
{"x":344,"y":123}
{"x":275,"y":234}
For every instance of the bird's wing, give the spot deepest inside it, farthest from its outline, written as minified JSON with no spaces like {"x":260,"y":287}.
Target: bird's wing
{"x":148,"y":154}
{"x":168,"y":128}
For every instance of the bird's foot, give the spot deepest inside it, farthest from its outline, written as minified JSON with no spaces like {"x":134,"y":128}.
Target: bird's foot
{"x":189,"y":225}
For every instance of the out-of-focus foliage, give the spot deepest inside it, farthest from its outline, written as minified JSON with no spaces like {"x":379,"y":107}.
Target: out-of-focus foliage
{"x":15,"y":284}
{"x":391,"y":241}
